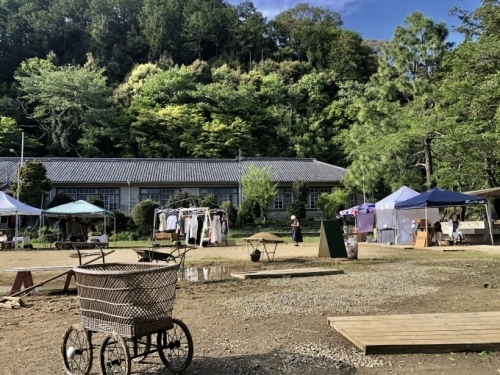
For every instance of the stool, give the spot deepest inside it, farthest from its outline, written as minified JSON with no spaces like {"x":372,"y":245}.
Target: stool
{"x":20,"y":242}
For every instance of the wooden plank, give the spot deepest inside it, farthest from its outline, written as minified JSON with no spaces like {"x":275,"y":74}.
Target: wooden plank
{"x":291,"y":272}
{"x":426,"y":333}
{"x":391,"y":318}
{"x":398,"y":349}
{"x":412,"y":330}
{"x":41,"y":269}
{"x":429,"y":325}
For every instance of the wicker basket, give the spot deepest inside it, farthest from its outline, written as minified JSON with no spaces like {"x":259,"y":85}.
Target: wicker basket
{"x":131,"y":299}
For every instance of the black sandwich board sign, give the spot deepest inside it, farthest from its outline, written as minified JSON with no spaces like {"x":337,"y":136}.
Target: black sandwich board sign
{"x":331,"y":240}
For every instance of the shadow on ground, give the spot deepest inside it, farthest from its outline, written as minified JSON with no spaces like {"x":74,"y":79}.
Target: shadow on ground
{"x":272,"y":363}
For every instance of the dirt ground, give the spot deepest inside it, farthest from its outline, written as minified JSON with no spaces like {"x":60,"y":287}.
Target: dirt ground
{"x":273,"y":326}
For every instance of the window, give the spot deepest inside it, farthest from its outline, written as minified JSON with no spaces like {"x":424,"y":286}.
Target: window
{"x":160,"y":195}
{"x":222,"y":195}
{"x":110,"y":197}
{"x":283,"y":198}
{"x":314,"y":194}
{"x":71,"y":193}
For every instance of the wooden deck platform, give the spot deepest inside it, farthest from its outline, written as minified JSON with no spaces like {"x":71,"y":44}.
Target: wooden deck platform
{"x":290,"y":272}
{"x":421,"y":333}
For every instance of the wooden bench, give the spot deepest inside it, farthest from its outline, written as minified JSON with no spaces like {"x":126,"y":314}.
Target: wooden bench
{"x":24,"y":277}
{"x":66,"y":245}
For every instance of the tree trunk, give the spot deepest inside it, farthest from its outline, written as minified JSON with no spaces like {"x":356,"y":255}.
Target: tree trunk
{"x":428,"y":161}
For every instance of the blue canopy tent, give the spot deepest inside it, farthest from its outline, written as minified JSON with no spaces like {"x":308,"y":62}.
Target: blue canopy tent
{"x":443,"y":198}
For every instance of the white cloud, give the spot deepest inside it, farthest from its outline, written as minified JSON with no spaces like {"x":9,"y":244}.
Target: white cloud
{"x":271,"y":8}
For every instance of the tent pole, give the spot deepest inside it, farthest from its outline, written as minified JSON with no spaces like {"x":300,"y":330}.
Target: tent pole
{"x":395,"y":226}
{"x":426,"y":229}
{"x":488,"y":217}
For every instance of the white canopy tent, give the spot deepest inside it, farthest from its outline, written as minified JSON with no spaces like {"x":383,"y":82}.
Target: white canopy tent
{"x":10,"y":206}
{"x":396,"y":225}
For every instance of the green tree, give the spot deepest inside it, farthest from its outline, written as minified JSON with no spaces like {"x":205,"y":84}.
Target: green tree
{"x":33,"y":183}
{"x":469,"y":95}
{"x":168,"y":132}
{"x":221,"y":140}
{"x":296,"y":29}
{"x":397,"y":120}
{"x":161,"y":23}
{"x":300,"y":194}
{"x":258,"y":186}
{"x":232,"y":213}
{"x":331,"y":203}
{"x":10,"y":136}
{"x":143,"y":215}
{"x":66,"y":102}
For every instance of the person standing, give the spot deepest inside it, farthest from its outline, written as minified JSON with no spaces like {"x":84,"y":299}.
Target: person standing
{"x":61,"y":229}
{"x":454,"y":229}
{"x":296,"y":231}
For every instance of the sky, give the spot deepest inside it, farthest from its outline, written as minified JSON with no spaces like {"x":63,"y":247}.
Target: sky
{"x":376,"y":19}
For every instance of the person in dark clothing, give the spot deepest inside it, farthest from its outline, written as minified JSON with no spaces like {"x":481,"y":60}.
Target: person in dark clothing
{"x":296,"y":231}
{"x":61,"y":229}
{"x":438,"y":232}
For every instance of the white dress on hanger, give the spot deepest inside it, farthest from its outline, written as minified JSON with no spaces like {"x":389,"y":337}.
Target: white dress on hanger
{"x":162,"y":222}
{"x":193,"y":227}
{"x":216,"y":235}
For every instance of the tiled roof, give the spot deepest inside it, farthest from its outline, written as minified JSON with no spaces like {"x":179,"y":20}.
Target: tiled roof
{"x":87,"y":170}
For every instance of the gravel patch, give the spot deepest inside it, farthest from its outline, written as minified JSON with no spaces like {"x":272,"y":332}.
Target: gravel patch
{"x":355,"y":292}
{"x":323,"y":356}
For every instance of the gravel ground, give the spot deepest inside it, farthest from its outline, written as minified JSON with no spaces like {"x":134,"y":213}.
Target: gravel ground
{"x":360,"y":293}
{"x":278,"y":326}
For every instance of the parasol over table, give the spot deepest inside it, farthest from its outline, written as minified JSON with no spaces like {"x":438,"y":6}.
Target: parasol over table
{"x":365,"y":208}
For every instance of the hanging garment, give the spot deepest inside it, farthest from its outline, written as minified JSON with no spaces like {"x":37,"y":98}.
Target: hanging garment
{"x":193,"y":229}
{"x":224,"y":228}
{"x":162,"y":227}
{"x":180,"y":224}
{"x":206,"y":228}
{"x":171,"y":222}
{"x":216,"y":235}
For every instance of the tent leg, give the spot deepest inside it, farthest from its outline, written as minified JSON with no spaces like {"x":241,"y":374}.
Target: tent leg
{"x":426,"y":229}
{"x":488,"y":217}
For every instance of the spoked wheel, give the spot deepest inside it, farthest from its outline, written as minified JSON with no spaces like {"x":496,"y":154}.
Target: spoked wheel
{"x":139,"y":347}
{"x":115,"y":359}
{"x":175,"y":347}
{"x":76,"y":350}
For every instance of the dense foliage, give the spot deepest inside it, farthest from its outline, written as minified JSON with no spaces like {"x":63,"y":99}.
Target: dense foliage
{"x":205,"y":79}
{"x":300,"y":194}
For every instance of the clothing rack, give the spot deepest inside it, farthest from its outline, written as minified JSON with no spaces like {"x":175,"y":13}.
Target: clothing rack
{"x":208,"y":214}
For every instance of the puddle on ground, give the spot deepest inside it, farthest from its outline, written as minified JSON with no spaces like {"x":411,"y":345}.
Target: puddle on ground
{"x":4,"y":289}
{"x":204,"y":273}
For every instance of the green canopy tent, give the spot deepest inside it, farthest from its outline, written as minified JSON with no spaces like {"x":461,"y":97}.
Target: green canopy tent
{"x":81,"y":209}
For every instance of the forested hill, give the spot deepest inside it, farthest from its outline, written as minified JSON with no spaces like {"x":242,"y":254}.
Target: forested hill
{"x":202,"y":78}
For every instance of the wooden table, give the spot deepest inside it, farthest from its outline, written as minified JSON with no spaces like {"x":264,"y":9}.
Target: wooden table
{"x":25,"y":278}
{"x":255,"y":243}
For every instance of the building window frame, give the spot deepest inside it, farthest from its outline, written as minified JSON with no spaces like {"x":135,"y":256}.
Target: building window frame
{"x":109,"y":196}
{"x":221,"y":194}
{"x":157,"y":194}
{"x":283,"y":198}
{"x":314,"y":193}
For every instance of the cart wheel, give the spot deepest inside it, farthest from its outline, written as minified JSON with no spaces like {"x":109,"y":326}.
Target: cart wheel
{"x":175,"y":347}
{"x":114,"y":355}
{"x":143,"y":347}
{"x":76,"y":350}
